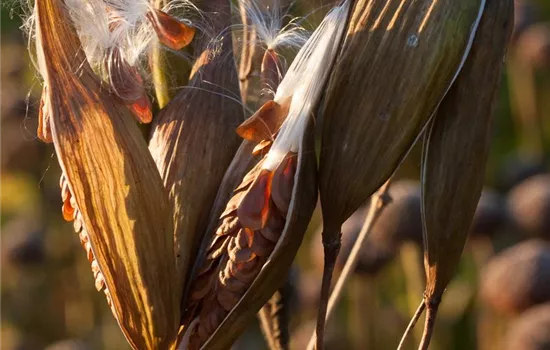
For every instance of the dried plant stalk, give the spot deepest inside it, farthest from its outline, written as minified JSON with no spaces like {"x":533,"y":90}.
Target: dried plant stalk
{"x":111,"y":184}
{"x":193,"y":138}
{"x":455,"y":152}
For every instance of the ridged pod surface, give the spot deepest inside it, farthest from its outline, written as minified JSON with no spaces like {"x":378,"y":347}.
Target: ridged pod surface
{"x":455,"y":153}
{"x":193,"y":138}
{"x":112,"y":180}
{"x":398,"y":60}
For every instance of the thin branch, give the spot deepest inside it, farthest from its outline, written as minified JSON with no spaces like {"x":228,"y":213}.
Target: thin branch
{"x":411,"y":325}
{"x":378,"y":202}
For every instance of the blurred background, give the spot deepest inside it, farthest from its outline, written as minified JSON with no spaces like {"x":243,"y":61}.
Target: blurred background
{"x":500,"y":298}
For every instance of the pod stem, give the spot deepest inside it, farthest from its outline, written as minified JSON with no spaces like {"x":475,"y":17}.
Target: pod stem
{"x":431,"y":313}
{"x":412,"y":324}
{"x":332,"y":246}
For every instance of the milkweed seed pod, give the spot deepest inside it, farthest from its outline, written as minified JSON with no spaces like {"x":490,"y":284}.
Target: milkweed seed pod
{"x":116,"y":35}
{"x":517,"y":278}
{"x":263,"y":224}
{"x":529,"y":206}
{"x":530,"y":330}
{"x":193,"y":138}
{"x":113,"y":182}
{"x":400,"y":57}
{"x":267,"y":28}
{"x":455,"y":151}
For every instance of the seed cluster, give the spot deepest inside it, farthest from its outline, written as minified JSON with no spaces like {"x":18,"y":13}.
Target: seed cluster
{"x":72,"y":213}
{"x":248,"y":231}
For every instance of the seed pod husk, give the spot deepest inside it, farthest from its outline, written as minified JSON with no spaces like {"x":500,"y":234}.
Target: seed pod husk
{"x":276,"y":264}
{"x":193,"y":138}
{"x":398,"y":60}
{"x":455,"y":152}
{"x":263,"y":224}
{"x":114,"y":183}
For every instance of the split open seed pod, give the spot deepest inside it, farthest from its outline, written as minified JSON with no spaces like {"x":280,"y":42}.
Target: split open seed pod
{"x":193,"y":138}
{"x":455,"y":152}
{"x":112,"y":180}
{"x":398,"y":60}
{"x":255,"y":253}
{"x":259,"y":233}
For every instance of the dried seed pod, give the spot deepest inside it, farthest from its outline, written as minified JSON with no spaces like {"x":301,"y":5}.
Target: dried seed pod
{"x":385,"y":61}
{"x":115,"y":186}
{"x":529,"y":205}
{"x":517,"y":278}
{"x":530,"y":330}
{"x":193,"y":138}
{"x":455,"y":152}
{"x":261,"y":227}
{"x":277,"y":203}
{"x":398,"y":60}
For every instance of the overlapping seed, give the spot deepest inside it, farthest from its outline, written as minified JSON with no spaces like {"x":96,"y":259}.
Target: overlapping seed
{"x":71,"y":212}
{"x":247,"y":233}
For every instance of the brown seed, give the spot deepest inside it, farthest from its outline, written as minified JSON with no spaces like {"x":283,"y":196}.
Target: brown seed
{"x":171,"y":32}
{"x":253,"y":211}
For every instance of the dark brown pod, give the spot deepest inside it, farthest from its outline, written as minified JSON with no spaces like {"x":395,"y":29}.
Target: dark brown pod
{"x":193,"y":138}
{"x":517,"y":278}
{"x":530,"y":330}
{"x":455,"y":151}
{"x":383,"y":92}
{"x":529,"y":206}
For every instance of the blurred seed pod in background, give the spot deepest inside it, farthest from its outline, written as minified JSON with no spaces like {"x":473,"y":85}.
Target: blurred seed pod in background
{"x":517,"y":278}
{"x":490,"y":215}
{"x":22,"y":243}
{"x":533,"y":46}
{"x":529,"y":206}
{"x":525,"y":15}
{"x":518,"y":168}
{"x":529,"y":331}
